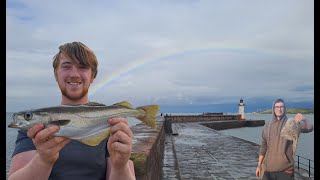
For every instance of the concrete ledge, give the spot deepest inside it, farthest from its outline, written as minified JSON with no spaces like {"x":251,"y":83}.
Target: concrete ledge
{"x":147,"y":150}
{"x":220,"y":125}
{"x":202,"y":118}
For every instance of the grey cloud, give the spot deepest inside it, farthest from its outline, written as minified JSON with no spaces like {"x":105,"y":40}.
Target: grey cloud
{"x":194,"y":52}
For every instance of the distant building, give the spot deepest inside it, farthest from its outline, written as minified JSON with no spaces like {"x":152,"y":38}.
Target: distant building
{"x":241,"y":109}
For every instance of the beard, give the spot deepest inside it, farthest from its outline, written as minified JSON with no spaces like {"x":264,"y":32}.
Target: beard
{"x":72,"y":95}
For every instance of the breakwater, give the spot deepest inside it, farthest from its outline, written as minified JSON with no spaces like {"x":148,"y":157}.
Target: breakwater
{"x":221,"y":125}
{"x":217,"y":122}
{"x":201,"y":118}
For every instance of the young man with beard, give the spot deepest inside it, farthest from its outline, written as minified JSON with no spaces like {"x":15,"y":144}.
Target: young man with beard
{"x":39,"y":155}
{"x":276,"y":153}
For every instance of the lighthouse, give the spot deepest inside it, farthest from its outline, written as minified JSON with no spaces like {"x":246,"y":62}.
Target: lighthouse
{"x":241,"y":109}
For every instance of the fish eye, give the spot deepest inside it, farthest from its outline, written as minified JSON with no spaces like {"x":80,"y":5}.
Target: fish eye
{"x":28,"y":116}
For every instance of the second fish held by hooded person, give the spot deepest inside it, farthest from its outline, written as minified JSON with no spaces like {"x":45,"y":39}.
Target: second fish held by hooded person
{"x":85,"y":123}
{"x":291,"y":131}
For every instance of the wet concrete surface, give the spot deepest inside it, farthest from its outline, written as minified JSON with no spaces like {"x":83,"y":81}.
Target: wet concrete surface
{"x":170,"y":165}
{"x":199,"y":152}
{"x":204,"y":153}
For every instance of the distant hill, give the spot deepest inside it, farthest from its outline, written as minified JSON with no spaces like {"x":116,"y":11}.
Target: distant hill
{"x":291,"y":111}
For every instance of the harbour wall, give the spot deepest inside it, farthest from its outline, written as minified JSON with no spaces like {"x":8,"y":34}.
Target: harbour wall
{"x":221,"y":125}
{"x":201,"y":118}
{"x":148,"y":150}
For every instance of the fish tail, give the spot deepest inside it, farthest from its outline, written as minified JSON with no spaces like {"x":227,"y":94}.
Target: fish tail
{"x":150,"y":117}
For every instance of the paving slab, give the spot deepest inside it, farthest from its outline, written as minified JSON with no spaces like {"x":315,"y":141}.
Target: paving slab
{"x":205,"y":153}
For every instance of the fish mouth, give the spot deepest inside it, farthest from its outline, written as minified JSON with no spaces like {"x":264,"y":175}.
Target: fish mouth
{"x":14,"y":123}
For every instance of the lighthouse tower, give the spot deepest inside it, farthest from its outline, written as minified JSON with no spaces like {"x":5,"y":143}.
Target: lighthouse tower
{"x":241,"y":109}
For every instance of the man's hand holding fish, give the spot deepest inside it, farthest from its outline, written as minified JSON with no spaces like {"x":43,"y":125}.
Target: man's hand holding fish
{"x":306,"y":126}
{"x":298,"y":117}
{"x":119,"y":144}
{"x":48,"y":146}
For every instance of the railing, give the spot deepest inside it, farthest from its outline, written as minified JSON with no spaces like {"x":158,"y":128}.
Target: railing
{"x":308,"y":167}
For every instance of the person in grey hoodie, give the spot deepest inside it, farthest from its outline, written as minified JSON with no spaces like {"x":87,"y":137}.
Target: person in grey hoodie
{"x":276,"y":159}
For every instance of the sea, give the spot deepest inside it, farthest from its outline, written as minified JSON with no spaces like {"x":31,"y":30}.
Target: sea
{"x":253,"y":134}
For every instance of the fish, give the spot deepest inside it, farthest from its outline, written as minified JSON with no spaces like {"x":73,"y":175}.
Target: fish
{"x":84,"y":123}
{"x":291,"y":131}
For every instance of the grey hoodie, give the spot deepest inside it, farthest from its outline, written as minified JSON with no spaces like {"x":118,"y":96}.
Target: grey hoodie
{"x":277,"y":151}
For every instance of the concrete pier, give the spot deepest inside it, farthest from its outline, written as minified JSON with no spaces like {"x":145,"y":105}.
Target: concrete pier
{"x":205,"y":153}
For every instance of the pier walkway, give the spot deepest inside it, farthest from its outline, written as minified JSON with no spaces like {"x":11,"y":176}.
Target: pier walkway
{"x":198,"y":152}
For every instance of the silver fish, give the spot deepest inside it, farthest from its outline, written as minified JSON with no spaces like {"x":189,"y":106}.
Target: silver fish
{"x":85,"y":123}
{"x":291,"y":131}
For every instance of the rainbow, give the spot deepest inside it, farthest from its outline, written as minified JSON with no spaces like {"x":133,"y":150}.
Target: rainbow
{"x":152,"y":58}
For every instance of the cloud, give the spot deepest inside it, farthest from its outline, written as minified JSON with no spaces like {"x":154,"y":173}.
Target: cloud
{"x":165,"y":52}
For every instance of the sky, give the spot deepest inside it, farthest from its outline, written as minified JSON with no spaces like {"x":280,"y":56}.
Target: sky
{"x":186,"y":56}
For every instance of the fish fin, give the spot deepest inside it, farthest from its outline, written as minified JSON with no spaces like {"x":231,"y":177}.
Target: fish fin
{"x":150,"y":117}
{"x":96,"y":139}
{"x":60,"y":122}
{"x":123,"y":103}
